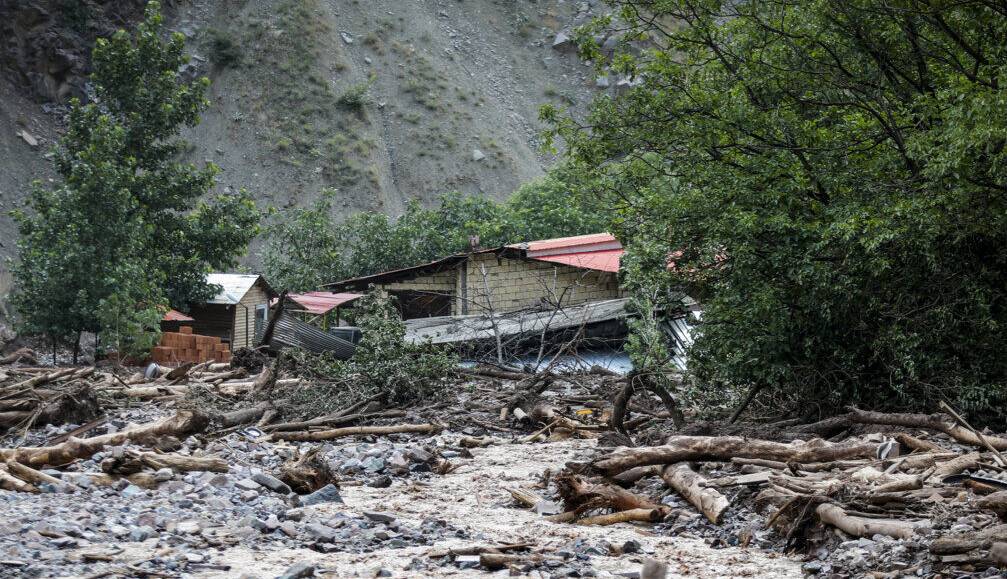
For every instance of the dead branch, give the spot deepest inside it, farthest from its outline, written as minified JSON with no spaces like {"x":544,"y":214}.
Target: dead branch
{"x":355,"y":431}
{"x":183,"y":424}
{"x":724,"y":448}
{"x":690,"y":485}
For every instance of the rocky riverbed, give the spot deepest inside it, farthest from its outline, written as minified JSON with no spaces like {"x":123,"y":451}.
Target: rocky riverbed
{"x":389,"y":512}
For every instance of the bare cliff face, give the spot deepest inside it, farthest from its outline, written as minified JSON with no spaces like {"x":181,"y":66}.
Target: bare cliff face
{"x":384,"y":100}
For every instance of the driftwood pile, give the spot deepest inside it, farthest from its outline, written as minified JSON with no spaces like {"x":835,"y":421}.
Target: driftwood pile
{"x":903,"y":476}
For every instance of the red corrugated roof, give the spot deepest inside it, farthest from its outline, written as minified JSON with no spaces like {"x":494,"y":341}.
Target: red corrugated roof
{"x":607,"y":260}
{"x":322,"y":302}
{"x":176,"y":316}
{"x":592,"y":242}
{"x":597,"y":251}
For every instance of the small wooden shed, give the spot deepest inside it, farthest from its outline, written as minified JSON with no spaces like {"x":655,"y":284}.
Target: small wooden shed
{"x":237,"y":312}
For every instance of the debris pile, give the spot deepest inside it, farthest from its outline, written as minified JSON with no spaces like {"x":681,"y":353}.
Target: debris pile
{"x":205,"y":461}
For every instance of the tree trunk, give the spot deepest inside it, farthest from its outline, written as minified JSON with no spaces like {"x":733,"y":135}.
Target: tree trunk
{"x":354,"y":431}
{"x":182,"y":424}
{"x":724,"y":448}
{"x":689,"y":484}
{"x":863,"y":527}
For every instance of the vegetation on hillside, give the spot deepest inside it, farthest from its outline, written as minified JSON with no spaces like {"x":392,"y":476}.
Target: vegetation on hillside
{"x":124,"y":232}
{"x":828,"y":179}
{"x":307,"y":248}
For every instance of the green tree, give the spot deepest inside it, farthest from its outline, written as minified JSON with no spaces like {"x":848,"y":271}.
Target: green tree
{"x":306,"y":247}
{"x":124,"y":208}
{"x":827,"y":178}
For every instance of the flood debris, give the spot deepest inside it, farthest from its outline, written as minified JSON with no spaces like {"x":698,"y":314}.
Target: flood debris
{"x":201,"y":462}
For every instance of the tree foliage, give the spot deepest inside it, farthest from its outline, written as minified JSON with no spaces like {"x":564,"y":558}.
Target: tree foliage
{"x":122,"y":218}
{"x":827,"y":178}
{"x":307,"y":248}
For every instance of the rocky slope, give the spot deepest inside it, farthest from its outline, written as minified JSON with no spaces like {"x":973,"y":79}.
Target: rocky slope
{"x":382,"y":99}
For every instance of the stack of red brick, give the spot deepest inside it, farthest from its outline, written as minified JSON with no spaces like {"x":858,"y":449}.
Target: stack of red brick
{"x":184,"y":346}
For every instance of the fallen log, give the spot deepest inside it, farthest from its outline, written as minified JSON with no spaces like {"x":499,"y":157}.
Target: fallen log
{"x":25,"y":355}
{"x":355,"y":431}
{"x":34,"y":477}
{"x":690,"y":485}
{"x":478,"y":549}
{"x":831,"y":514}
{"x":525,"y":497}
{"x":724,"y":448}
{"x":176,"y":462}
{"x":78,"y":404}
{"x":501,"y":560}
{"x":996,"y":502}
{"x":244,"y":415}
{"x":639,"y":515}
{"x":965,"y":542}
{"x":964,"y":462}
{"x":334,"y":420}
{"x":12,"y":483}
{"x":182,"y":424}
{"x":938,"y":422}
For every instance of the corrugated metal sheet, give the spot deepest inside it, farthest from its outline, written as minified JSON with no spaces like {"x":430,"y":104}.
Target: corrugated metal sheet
{"x":234,"y":286}
{"x":289,"y":332}
{"x":679,"y":333}
{"x":175,"y":316}
{"x":454,"y":329}
{"x":606,"y":260}
{"x":322,"y":302}
{"x":591,"y":242}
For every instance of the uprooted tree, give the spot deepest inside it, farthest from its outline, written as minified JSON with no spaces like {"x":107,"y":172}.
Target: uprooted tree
{"x":125,"y":219}
{"x":827,"y":179}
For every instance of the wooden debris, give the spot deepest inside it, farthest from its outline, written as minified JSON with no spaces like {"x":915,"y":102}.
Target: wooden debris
{"x":691,"y":486}
{"x":184,"y":423}
{"x":724,"y":448}
{"x":356,"y":431}
{"x":306,"y":473}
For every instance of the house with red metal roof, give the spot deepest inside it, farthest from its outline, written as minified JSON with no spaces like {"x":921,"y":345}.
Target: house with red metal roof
{"x":532,"y":276}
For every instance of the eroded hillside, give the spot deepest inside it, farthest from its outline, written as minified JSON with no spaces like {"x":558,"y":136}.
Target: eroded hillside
{"x":383,"y":99}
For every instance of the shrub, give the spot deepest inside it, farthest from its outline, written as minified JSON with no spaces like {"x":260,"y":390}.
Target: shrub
{"x":385,"y":364}
{"x":224,"y":51}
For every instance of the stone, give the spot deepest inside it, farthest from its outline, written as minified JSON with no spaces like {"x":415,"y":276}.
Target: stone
{"x":563,"y":42}
{"x":63,"y":542}
{"x":374,"y":464}
{"x":298,"y":571}
{"x":379,"y":517}
{"x":247,"y":484}
{"x":294,"y":514}
{"x":272,"y":483}
{"x":601,"y":82}
{"x":289,"y":529}
{"x":398,"y":463}
{"x":321,"y":533}
{"x":347,"y":38}
{"x":194,"y":557}
{"x":477,"y":155}
{"x":467,"y":561}
{"x":327,"y":494}
{"x":189,"y":527}
{"x":131,"y":491}
{"x":163,"y":475}
{"x":28,"y":138}
{"x":381,"y":482}
{"x":140,"y":534}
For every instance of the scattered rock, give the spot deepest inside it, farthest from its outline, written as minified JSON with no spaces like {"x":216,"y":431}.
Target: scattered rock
{"x":298,"y":571}
{"x":327,"y":494}
{"x":272,"y":483}
{"x":477,"y":155}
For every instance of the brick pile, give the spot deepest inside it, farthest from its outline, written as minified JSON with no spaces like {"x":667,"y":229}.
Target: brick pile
{"x":184,"y":346}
